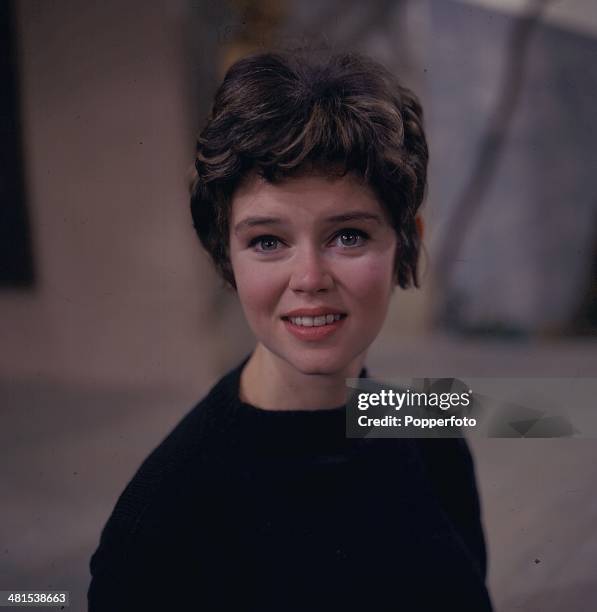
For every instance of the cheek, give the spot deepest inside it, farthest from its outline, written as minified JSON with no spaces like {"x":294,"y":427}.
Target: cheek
{"x":257,"y":291}
{"x":371,"y":280}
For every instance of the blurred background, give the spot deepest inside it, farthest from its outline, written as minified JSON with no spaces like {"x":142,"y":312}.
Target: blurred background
{"x":113,"y":324}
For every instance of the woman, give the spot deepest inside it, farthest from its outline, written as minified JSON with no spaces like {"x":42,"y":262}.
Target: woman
{"x":310,"y":175}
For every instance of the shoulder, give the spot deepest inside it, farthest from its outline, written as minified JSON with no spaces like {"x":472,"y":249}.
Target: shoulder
{"x":449,"y":465}
{"x":159,"y":498}
{"x":446,"y":454}
{"x":189,"y":442}
{"x":450,"y":468}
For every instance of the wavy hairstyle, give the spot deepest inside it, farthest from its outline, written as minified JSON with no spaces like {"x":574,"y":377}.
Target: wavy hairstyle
{"x":281,"y":113}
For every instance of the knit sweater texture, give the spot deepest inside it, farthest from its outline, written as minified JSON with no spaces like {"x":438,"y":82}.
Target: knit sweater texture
{"x":245,"y":509}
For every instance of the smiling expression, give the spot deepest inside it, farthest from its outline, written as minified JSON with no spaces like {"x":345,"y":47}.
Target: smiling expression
{"x":313,"y":261}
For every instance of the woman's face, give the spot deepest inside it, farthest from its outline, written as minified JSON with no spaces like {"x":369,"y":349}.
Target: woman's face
{"x":313,"y":261}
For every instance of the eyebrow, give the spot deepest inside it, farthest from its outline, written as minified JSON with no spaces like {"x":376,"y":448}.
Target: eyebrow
{"x":341,"y":218}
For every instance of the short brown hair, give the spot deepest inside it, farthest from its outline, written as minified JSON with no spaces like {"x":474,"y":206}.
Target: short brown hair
{"x":279,"y":113}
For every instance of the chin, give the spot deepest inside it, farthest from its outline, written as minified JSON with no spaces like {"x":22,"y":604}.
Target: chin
{"x":314,"y":362}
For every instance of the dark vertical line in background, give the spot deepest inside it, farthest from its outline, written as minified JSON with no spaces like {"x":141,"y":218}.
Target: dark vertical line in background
{"x":16,"y":259}
{"x":470,"y":201}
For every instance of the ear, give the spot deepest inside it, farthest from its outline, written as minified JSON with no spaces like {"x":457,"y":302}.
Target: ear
{"x":420,"y":226}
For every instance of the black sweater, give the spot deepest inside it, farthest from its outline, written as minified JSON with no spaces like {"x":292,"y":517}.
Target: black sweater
{"x":246,"y":509}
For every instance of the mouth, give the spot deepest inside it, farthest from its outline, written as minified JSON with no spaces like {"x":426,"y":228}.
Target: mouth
{"x":315,"y":321}
{"x":314,"y":328}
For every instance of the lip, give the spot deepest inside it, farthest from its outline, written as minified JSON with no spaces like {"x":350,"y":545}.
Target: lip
{"x":312,"y":312}
{"x":314,"y":334}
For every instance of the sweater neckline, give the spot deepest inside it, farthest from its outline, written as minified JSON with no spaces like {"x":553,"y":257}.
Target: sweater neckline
{"x":290,"y":434}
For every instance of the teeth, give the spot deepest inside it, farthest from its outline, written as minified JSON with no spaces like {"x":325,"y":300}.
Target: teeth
{"x":315,"y":321}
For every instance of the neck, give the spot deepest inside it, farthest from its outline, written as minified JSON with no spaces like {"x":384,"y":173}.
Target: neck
{"x":270,"y":383}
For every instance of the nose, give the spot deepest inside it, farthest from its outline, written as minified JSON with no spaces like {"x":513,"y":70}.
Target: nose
{"x":309,"y":272}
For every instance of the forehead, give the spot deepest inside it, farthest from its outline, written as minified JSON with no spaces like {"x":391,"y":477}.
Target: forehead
{"x":312,"y":193}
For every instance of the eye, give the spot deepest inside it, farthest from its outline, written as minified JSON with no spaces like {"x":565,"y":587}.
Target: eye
{"x":350,"y":238}
{"x":264,"y":243}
